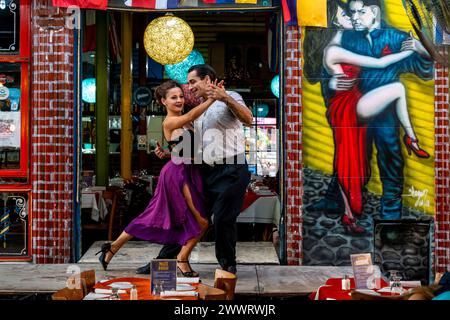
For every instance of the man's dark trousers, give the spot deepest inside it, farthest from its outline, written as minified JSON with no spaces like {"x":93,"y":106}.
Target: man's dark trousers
{"x":225,"y":185}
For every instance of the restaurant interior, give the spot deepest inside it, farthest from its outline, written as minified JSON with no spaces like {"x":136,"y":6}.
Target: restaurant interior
{"x":243,"y":49}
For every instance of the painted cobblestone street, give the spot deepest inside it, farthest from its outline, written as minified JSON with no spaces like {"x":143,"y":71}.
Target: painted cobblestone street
{"x":328,"y":242}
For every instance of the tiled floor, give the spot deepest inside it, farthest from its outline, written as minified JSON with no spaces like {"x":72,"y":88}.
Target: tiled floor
{"x":258,"y":270}
{"x":142,"y":252}
{"x":253,"y":280}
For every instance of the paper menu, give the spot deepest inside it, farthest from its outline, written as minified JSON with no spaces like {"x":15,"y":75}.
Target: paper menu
{"x":163,"y":276}
{"x":188,"y":279}
{"x":364,"y":272}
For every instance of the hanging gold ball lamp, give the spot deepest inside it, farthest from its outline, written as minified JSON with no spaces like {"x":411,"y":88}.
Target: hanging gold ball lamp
{"x":168,"y":39}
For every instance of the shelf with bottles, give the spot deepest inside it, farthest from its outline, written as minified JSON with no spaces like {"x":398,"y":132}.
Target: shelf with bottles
{"x":154,"y":109}
{"x":262,"y":109}
{"x":88,"y":134}
{"x":263,"y":166}
{"x":88,"y":109}
{"x":261,"y":139}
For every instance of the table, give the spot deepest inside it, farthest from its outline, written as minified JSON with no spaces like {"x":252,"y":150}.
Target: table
{"x":264,"y":208}
{"x":143,"y":289}
{"x":91,"y":198}
{"x":332,"y":290}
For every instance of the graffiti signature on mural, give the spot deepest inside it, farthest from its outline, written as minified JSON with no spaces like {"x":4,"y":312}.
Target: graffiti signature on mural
{"x":421,"y":196}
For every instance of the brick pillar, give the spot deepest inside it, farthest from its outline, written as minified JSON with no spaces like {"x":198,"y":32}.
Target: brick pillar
{"x":52,"y":134}
{"x":442,"y":159}
{"x":293,"y":145}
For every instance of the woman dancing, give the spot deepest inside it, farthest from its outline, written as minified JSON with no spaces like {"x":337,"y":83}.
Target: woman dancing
{"x":176,"y":213}
{"x":349,"y":110}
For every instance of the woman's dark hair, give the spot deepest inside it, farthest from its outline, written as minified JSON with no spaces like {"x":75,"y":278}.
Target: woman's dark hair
{"x":163,"y":88}
{"x":368,"y":2}
{"x":204,"y":70}
{"x":316,"y":39}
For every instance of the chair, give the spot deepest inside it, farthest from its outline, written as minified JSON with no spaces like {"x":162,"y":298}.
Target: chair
{"x":225,"y":281}
{"x":71,"y":293}
{"x":206,"y":292}
{"x":110,"y":197}
{"x":89,"y":280}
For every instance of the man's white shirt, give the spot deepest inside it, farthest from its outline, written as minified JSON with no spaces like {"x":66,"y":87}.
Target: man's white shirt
{"x":221,"y":131}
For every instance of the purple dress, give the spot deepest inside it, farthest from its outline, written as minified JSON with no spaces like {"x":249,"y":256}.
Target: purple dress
{"x":167,"y":218}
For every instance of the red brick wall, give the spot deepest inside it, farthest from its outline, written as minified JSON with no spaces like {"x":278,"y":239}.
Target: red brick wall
{"x":52,"y":135}
{"x":293,"y":146}
{"x":442,"y":151}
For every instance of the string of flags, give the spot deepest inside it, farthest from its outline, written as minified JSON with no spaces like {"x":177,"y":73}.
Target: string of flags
{"x":149,"y":4}
{"x":295,"y":12}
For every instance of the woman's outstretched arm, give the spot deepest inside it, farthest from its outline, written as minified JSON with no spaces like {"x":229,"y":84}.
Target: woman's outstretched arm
{"x":172,"y":123}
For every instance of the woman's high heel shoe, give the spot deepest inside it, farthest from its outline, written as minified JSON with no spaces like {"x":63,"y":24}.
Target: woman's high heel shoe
{"x":188,"y":274}
{"x":351,"y":225}
{"x":410,"y":147}
{"x":106,"y":247}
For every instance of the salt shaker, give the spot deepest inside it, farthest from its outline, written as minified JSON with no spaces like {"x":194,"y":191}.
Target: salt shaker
{"x":157,"y":288}
{"x":115,"y":294}
{"x":346,"y":283}
{"x":133,"y":293}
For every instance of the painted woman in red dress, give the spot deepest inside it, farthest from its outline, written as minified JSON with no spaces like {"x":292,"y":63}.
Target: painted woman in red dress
{"x":349,"y":110}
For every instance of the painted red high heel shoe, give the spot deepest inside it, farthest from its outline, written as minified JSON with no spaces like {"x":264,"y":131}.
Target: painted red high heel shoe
{"x":420,"y":153}
{"x":351,"y":225}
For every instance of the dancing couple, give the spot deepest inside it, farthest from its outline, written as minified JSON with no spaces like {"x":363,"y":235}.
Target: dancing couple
{"x":362,"y":93}
{"x":188,"y":194}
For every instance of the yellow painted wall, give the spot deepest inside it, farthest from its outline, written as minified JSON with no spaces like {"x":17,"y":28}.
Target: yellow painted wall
{"x":318,"y":145}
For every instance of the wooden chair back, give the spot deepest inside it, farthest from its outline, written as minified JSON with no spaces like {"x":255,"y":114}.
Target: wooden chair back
{"x":225,"y":281}
{"x":66,"y":293}
{"x":206,"y":292}
{"x":84,"y":280}
{"x":110,"y":197}
{"x":89,"y":280}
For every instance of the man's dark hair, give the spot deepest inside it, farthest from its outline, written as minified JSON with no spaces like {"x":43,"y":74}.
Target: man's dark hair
{"x":204,"y":70}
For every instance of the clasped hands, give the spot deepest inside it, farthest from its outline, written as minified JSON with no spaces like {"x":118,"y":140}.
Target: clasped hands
{"x":216,"y":90}
{"x":415,"y":45}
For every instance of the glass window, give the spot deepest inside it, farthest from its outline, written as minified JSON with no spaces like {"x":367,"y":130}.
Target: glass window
{"x":9,"y":26}
{"x":10,"y":115}
{"x":13,"y":224}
